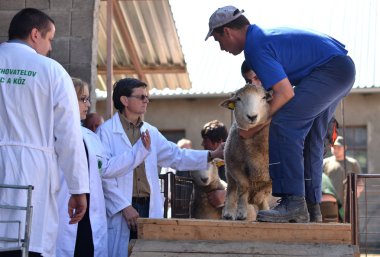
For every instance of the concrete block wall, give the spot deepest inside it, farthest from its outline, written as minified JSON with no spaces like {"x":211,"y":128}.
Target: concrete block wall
{"x":76,"y":40}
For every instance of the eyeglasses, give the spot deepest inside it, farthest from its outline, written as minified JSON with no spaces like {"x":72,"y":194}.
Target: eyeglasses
{"x":85,"y":99}
{"x":140,"y":97}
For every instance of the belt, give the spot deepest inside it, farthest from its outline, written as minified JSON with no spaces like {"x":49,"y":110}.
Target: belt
{"x":141,"y":200}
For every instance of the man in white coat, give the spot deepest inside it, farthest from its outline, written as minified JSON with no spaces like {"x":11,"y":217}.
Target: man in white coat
{"x":137,"y":194}
{"x":39,"y":131}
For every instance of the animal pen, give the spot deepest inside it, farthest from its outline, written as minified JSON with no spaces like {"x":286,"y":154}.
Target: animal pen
{"x":359,"y":234}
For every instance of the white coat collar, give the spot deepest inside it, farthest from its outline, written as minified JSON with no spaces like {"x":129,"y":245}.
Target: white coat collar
{"x":18,"y":44}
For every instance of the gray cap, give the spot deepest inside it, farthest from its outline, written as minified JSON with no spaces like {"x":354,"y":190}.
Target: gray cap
{"x":221,"y":17}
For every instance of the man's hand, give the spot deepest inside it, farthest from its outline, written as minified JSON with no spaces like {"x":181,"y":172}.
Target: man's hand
{"x":130,"y":214}
{"x":253,"y":131}
{"x":216,"y":198}
{"x":145,"y":138}
{"x":218,"y":152}
{"x":77,"y":207}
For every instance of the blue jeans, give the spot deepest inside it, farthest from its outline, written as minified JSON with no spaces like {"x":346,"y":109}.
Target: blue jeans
{"x":298,"y":129}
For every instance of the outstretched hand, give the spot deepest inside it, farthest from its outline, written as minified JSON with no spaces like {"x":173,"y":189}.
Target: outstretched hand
{"x":145,"y":138}
{"x":77,"y":207}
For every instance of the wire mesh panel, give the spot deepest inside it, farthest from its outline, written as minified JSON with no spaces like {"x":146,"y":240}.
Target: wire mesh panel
{"x":369,"y":213}
{"x":19,"y":239}
{"x":181,"y":196}
{"x":178,"y":195}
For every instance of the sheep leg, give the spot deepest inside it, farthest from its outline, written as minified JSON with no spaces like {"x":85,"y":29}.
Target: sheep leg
{"x":243,"y":193}
{"x":229,"y":209}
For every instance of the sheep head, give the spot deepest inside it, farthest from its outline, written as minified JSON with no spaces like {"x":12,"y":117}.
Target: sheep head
{"x":204,"y":178}
{"x":250,"y":105}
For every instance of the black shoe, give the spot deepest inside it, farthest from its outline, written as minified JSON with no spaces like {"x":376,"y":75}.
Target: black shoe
{"x":290,"y":209}
{"x":314,"y":212}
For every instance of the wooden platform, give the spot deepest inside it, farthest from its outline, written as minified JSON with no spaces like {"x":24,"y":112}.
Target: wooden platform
{"x":213,"y":238}
{"x":185,"y":248}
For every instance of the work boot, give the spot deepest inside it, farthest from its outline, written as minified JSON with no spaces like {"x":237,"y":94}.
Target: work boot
{"x":290,"y":209}
{"x":314,"y":212}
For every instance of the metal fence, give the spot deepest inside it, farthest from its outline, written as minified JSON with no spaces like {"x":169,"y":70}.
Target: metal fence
{"x":363,"y":211}
{"x":178,"y":195}
{"x":21,"y":242}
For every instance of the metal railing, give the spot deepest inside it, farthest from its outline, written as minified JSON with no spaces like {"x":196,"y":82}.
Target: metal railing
{"x":362,"y":211}
{"x":21,"y":243}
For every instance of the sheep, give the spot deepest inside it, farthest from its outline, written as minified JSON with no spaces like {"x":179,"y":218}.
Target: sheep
{"x":206,"y":181}
{"x":246,"y":160}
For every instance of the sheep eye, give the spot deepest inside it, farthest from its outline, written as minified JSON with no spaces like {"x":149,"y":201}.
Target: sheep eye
{"x":238,"y":99}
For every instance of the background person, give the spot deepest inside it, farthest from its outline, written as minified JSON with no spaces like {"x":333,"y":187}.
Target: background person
{"x":138,"y":193}
{"x":334,"y":167}
{"x":183,"y":143}
{"x":93,"y":121}
{"x":249,"y":75}
{"x":322,"y":74}
{"x":214,"y":133}
{"x":39,"y":132}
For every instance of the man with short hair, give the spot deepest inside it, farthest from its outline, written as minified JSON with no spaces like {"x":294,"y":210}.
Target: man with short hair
{"x":39,"y":132}
{"x":337,"y":167}
{"x":318,"y":67}
{"x":214,"y":133}
{"x":138,"y":194}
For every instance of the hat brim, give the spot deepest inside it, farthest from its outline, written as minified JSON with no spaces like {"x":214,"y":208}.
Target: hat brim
{"x":209,"y":34}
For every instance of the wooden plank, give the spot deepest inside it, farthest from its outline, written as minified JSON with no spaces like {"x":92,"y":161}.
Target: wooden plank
{"x":190,"y":229}
{"x":222,"y":248}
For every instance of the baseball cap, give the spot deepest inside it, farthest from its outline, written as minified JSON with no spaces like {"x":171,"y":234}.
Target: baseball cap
{"x":221,"y":17}
{"x":339,"y":141}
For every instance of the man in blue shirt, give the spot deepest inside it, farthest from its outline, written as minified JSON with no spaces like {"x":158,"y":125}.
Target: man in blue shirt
{"x":322,"y":74}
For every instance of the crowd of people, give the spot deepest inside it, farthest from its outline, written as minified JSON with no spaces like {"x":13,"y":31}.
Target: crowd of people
{"x":92,"y":182}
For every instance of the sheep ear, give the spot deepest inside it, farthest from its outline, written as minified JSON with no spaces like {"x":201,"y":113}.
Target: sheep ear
{"x":229,"y":104}
{"x":269,"y":95}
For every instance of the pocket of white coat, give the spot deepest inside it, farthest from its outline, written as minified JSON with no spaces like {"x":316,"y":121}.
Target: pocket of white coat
{"x":100,"y":163}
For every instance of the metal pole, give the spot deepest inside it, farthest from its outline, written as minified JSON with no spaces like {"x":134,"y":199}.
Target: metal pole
{"x":109,"y":109}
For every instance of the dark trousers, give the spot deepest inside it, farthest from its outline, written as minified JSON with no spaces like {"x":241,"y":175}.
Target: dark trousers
{"x":84,"y":245}
{"x":298,"y":129}
{"x":141,"y":204}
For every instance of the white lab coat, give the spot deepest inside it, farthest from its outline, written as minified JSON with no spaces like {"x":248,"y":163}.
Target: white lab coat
{"x":39,"y":135}
{"x":118,"y":192}
{"x":98,"y":165}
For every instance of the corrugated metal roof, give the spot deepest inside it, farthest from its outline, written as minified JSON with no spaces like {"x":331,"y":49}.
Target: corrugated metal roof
{"x":356,"y":23}
{"x":153,"y":31}
{"x":150,"y":27}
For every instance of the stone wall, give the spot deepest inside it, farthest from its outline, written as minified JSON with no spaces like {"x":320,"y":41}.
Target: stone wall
{"x":76,"y":41}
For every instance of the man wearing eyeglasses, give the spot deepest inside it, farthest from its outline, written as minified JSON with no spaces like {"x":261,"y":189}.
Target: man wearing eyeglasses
{"x":137,"y":194}
{"x":39,"y":132}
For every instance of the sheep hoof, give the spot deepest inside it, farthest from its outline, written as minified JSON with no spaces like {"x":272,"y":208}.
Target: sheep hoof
{"x":228,"y":216}
{"x":241,"y":216}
